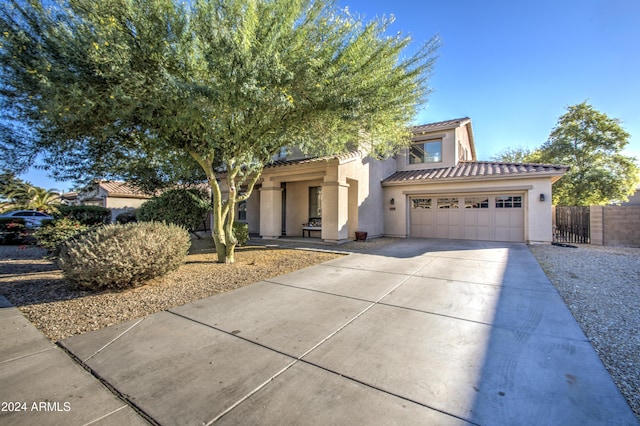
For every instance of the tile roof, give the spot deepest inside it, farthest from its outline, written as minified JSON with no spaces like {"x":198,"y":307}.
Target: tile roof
{"x":121,"y":189}
{"x":441,"y":125}
{"x":342,"y":158}
{"x":477,"y":170}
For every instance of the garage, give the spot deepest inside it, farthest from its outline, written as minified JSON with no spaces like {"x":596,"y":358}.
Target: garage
{"x":492,"y":217}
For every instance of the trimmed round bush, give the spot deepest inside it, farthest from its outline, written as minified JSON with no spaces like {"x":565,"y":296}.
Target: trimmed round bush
{"x":123,"y":256}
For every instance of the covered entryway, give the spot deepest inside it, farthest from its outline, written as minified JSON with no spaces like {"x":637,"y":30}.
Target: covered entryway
{"x":493,"y":217}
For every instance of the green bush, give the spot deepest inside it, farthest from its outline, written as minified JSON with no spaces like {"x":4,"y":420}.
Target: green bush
{"x":53,"y":233}
{"x":12,"y":230}
{"x":241,"y":232}
{"x":123,"y":256}
{"x":86,"y":215}
{"x":184,"y":207}
{"x":127,"y":217}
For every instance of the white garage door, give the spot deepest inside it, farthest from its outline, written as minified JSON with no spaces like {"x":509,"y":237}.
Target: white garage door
{"x":470,"y":217}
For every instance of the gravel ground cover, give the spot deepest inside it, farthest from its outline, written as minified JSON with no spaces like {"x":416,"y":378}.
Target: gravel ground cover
{"x":601,"y":287}
{"x":36,"y":286}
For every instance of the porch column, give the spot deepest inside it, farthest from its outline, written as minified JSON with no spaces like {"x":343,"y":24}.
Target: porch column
{"x":335,"y":211}
{"x":270,"y":210}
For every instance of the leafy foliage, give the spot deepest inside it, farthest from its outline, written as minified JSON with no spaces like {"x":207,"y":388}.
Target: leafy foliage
{"x":12,"y":230}
{"x":127,"y":217}
{"x":184,"y":207}
{"x":241,"y":232}
{"x":517,"y":154}
{"x":53,"y":233}
{"x":123,"y":256}
{"x":86,"y":215}
{"x":591,"y":143}
{"x":152,"y":90}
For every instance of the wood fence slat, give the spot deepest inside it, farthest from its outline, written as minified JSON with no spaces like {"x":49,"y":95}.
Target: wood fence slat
{"x":572,"y":225}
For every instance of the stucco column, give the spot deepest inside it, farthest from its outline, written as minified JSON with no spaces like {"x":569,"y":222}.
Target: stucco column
{"x":270,"y":210}
{"x":335,"y":211}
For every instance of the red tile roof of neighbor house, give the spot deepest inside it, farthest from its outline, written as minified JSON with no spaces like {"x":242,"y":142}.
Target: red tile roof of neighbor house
{"x":476,"y":170}
{"x":122,"y":189}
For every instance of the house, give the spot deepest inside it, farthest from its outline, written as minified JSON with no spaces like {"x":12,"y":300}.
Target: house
{"x":434,"y":189}
{"x":114,"y":195}
{"x":634,"y":199}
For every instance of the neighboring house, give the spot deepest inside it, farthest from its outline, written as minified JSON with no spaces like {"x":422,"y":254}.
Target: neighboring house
{"x":436,"y":188}
{"x":117,"y":196}
{"x":634,"y":200}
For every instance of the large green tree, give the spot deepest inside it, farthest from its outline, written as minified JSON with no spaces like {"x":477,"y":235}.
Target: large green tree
{"x":148,"y":88}
{"x":591,"y":143}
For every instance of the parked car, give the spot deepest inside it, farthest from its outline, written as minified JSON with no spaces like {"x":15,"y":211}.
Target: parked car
{"x":32,"y":218}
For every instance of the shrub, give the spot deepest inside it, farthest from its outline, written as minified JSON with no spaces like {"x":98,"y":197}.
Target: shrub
{"x":12,"y":230}
{"x":241,"y":232}
{"x":86,"y":215}
{"x":184,"y":207}
{"x":53,"y":233}
{"x":127,"y":217}
{"x":123,"y":256}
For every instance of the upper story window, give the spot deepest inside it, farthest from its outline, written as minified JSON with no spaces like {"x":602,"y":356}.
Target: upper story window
{"x":426,"y":152}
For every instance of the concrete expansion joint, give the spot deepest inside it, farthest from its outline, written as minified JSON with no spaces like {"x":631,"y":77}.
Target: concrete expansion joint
{"x":300,"y":358}
{"x":27,"y":355}
{"x":113,"y":340}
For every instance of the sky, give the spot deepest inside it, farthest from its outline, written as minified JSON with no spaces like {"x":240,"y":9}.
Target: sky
{"x":514,"y":67}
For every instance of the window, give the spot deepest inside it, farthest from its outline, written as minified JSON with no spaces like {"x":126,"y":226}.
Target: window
{"x":315,"y":202}
{"x":242,"y":211}
{"x":447,"y":203}
{"x":421,"y":203}
{"x":476,"y":203}
{"x":509,"y":202}
{"x":426,"y":152}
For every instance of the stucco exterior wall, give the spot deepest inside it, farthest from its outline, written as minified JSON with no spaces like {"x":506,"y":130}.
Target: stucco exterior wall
{"x":449,"y":155}
{"x":538,"y":228}
{"x":463,"y":144}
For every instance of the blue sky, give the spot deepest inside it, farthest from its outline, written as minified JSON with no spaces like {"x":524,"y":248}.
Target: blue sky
{"x":514,"y":66}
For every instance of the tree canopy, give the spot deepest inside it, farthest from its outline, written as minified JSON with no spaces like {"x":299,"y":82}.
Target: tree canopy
{"x":591,"y":143}
{"x":146,"y":89}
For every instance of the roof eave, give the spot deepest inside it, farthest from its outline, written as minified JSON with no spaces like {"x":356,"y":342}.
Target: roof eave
{"x":553,"y":175}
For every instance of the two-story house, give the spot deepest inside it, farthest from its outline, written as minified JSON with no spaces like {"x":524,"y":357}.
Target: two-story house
{"x":435,"y":188}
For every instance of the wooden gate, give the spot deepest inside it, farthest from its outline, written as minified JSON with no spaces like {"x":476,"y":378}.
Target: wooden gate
{"x":572,"y":225}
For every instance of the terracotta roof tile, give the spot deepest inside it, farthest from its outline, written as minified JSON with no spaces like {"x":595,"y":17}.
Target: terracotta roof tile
{"x":441,"y":125}
{"x":123,"y":189}
{"x":340,"y":157}
{"x":476,"y":170}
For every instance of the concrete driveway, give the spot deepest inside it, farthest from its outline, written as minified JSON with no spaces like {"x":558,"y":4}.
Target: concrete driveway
{"x":419,"y":332}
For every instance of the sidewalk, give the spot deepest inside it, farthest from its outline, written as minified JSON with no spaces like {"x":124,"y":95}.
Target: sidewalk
{"x":41,"y":384}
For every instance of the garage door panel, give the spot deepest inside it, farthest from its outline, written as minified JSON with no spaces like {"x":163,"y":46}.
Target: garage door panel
{"x":496,"y":217}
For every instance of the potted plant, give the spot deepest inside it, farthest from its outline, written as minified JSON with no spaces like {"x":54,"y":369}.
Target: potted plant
{"x":361,"y":236}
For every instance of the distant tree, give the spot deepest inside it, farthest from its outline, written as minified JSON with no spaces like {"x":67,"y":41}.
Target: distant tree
{"x":113,"y":88}
{"x":18,"y":194}
{"x":9,"y":186}
{"x":591,"y":143}
{"x":517,"y":154}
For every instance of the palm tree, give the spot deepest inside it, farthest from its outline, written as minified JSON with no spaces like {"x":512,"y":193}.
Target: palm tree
{"x":35,"y":198}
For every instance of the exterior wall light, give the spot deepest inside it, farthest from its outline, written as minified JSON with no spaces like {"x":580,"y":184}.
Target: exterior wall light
{"x":541,"y":197}
{"x":392,"y":201}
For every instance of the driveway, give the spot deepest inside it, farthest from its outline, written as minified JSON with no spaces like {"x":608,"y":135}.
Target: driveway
{"x":418,"y":332}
